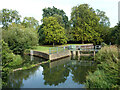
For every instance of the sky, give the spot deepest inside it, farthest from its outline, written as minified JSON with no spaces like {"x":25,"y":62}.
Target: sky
{"x":33,"y":8}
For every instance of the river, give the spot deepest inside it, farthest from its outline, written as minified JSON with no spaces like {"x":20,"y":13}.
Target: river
{"x":69,"y":72}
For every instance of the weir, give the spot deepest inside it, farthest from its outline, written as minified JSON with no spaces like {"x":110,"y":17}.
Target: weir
{"x":61,"y":52}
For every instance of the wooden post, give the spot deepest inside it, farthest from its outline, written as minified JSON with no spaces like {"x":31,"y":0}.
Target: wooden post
{"x":31,"y":57}
{"x":74,"y":52}
{"x":78,"y":58}
{"x":31,"y":52}
{"x":78,"y":53}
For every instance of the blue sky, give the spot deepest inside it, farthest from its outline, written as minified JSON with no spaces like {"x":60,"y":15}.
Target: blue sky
{"x":33,"y":8}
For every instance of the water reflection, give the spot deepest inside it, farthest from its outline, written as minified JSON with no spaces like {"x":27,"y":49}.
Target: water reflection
{"x":56,"y":72}
{"x":16,"y":78}
{"x":67,"y":72}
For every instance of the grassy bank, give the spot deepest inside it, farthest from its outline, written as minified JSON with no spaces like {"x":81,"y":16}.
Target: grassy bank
{"x":45,"y":48}
{"x":107,"y":73}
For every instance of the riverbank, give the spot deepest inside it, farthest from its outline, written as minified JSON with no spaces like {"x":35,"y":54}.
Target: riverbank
{"x":108,"y":69}
{"x":31,"y":66}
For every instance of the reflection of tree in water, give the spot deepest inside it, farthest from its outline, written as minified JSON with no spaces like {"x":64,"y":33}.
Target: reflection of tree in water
{"x":80,"y":72}
{"x":16,"y":78}
{"x":55,"y":75}
{"x":27,"y":59}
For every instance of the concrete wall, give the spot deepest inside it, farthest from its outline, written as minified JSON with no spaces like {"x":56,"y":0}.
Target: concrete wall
{"x":51,"y":56}
{"x":60,"y":55}
{"x":40,"y":54}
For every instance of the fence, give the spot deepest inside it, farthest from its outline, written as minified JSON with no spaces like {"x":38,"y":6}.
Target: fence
{"x":74,"y":47}
{"x":57,"y":49}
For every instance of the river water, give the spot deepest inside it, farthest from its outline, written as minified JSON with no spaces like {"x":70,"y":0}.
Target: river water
{"x":69,"y":72}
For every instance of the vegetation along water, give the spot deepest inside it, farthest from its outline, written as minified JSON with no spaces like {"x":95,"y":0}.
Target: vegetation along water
{"x":86,"y":26}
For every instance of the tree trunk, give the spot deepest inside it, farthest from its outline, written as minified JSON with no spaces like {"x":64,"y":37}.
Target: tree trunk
{"x":82,"y":42}
{"x":53,"y":44}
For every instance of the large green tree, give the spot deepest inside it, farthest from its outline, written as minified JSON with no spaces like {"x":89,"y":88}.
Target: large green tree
{"x":30,"y":22}
{"x":104,"y":26}
{"x":20,"y":38}
{"x":9,"y":16}
{"x":52,"y":11}
{"x":85,"y":24}
{"x":53,"y":32}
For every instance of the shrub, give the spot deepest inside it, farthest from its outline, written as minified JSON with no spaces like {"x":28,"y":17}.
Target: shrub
{"x":9,"y":61}
{"x":98,"y":79}
{"x":107,"y":53}
{"x":20,"y":38}
{"x":107,"y":73}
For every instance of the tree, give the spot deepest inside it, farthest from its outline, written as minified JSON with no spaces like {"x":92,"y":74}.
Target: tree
{"x":118,"y":34}
{"x":20,"y":38}
{"x":114,"y":36}
{"x":53,"y":32}
{"x":104,"y":20}
{"x":55,"y":75}
{"x":104,"y":25}
{"x":85,"y":24}
{"x":47,"y":12}
{"x":8,"y":17}
{"x":30,"y":22}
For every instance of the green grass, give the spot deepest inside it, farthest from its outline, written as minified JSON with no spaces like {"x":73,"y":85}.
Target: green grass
{"x":42,"y":48}
{"x":45,"y":48}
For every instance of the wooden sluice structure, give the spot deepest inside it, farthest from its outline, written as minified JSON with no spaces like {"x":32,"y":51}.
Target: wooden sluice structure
{"x":84,"y":50}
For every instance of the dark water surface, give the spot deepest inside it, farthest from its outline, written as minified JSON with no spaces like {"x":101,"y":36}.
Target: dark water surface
{"x":69,"y":72}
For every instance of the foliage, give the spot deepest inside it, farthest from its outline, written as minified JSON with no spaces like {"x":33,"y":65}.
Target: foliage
{"x":53,"y":32}
{"x":20,"y":38}
{"x":104,"y":20}
{"x":8,"y":17}
{"x":9,"y":61}
{"x":85,"y":24}
{"x":98,"y":79}
{"x":47,"y":12}
{"x":30,"y":22}
{"x":107,"y":53}
{"x":104,"y":25}
{"x":107,"y":73}
{"x":115,"y":34}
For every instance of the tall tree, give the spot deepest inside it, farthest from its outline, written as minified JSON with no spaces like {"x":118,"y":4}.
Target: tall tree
{"x":30,"y":22}
{"x":53,"y":32}
{"x":85,"y":24}
{"x":9,"y":16}
{"x":104,"y":20}
{"x":104,"y":25}
{"x":51,"y":11}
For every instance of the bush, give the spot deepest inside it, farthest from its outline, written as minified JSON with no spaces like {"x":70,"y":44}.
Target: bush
{"x":27,"y":51}
{"x":20,"y":38}
{"x":104,"y":77}
{"x":9,"y":61}
{"x":107,"y":73}
{"x":107,"y":53}
{"x":98,"y":79}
